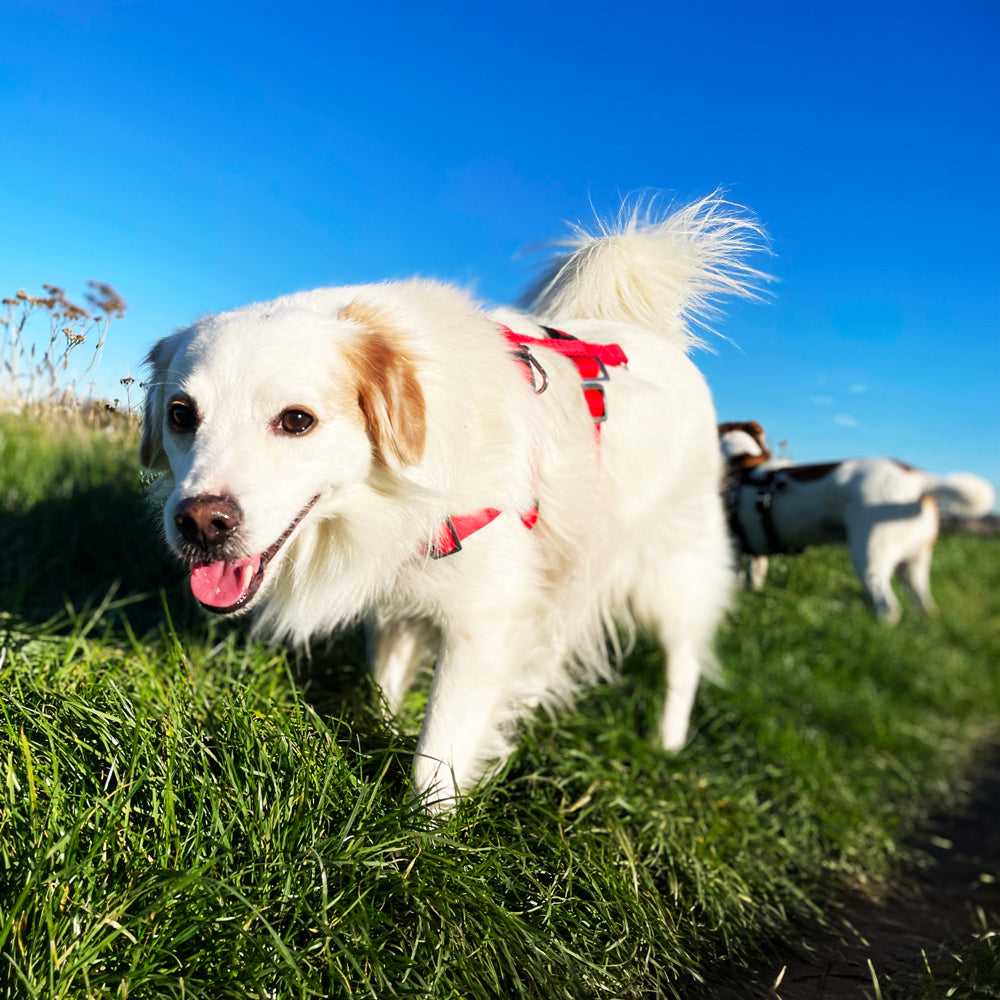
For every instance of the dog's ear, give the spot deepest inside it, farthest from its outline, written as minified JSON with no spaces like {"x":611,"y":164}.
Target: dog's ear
{"x":151,"y":453}
{"x":388,"y":389}
{"x":751,"y":427}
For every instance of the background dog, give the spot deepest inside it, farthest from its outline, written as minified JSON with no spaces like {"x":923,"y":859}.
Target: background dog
{"x":323,"y":453}
{"x":885,"y":511}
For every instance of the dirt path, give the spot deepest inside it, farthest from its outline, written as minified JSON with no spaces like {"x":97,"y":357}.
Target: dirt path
{"x":928,"y":907}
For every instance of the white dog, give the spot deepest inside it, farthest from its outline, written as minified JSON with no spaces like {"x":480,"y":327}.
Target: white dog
{"x":885,"y":511}
{"x":394,"y":453}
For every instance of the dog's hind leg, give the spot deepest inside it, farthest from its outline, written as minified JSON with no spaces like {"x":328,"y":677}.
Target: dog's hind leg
{"x":873,"y":560}
{"x":915,"y":573}
{"x":682,"y":599}
{"x":915,"y":566}
{"x":683,"y":669}
{"x":878,"y":589}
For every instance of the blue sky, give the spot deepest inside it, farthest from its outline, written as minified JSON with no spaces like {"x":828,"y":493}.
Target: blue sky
{"x":198,"y":156}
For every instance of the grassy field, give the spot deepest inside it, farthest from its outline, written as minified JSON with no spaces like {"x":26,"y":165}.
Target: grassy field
{"x":184,"y":813}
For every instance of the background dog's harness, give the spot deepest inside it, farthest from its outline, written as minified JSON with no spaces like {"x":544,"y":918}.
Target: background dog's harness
{"x":592,"y":362}
{"x":764,"y":487}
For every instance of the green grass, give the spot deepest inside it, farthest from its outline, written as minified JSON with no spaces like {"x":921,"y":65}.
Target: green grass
{"x":184,"y":813}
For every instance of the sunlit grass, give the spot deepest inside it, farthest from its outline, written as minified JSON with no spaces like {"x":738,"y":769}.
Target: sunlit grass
{"x":184,"y":813}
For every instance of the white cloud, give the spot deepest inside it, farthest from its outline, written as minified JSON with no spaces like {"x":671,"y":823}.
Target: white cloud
{"x":821,"y":400}
{"x":845,"y":420}
{"x":859,"y":387}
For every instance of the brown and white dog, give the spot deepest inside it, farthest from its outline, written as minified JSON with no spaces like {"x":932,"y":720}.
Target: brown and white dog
{"x":321,"y":455}
{"x":885,"y":511}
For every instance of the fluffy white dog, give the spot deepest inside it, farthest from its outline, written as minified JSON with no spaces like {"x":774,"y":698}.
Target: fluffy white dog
{"x":395,"y":453}
{"x":885,"y":511}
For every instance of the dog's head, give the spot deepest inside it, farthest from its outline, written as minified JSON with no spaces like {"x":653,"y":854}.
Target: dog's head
{"x":264,"y":418}
{"x":743,"y":444}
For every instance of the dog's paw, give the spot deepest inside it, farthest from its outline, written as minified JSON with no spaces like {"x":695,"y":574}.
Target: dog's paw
{"x":434,"y":785}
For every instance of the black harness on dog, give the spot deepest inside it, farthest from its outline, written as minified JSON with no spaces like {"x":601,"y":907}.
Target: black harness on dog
{"x":764,"y":488}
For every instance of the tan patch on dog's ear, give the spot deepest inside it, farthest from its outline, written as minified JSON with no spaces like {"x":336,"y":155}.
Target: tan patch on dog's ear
{"x":741,"y":463}
{"x":365,"y":314}
{"x":388,"y":390}
{"x":750,"y":427}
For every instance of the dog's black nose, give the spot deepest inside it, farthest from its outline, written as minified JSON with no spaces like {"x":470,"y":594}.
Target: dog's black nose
{"x":208,"y":520}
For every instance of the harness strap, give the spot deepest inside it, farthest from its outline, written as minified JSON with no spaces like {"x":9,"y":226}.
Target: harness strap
{"x":592,"y":362}
{"x":455,"y":529}
{"x":763,"y":502}
{"x":731,"y":499}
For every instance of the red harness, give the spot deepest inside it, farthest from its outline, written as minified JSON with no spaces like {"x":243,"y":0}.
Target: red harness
{"x":592,"y":362}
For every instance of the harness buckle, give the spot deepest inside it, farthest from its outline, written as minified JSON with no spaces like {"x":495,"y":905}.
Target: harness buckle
{"x":593,"y":393}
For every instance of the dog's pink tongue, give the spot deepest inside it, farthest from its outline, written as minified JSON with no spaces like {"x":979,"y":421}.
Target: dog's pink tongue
{"x":222,"y":584}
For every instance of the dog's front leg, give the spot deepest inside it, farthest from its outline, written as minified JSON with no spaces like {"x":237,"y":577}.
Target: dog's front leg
{"x":757,"y":567}
{"x":396,"y":649}
{"x":470,"y":700}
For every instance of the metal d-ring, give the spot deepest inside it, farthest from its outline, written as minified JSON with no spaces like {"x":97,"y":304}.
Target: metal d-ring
{"x":533,"y":362}
{"x":524,"y":355}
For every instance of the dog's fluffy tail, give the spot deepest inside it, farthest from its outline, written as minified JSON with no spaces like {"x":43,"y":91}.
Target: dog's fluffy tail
{"x":661,"y":271}
{"x":962,"y":493}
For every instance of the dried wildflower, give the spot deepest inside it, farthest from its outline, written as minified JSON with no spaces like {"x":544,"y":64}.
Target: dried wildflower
{"x":35,"y":366}
{"x":105,"y":299}
{"x":127,"y":381}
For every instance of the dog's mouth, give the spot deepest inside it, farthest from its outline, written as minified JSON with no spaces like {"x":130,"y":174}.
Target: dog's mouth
{"x":225,"y":587}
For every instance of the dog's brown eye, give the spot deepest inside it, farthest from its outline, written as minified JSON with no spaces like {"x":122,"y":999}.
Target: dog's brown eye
{"x":296,"y":421}
{"x":182,"y":416}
